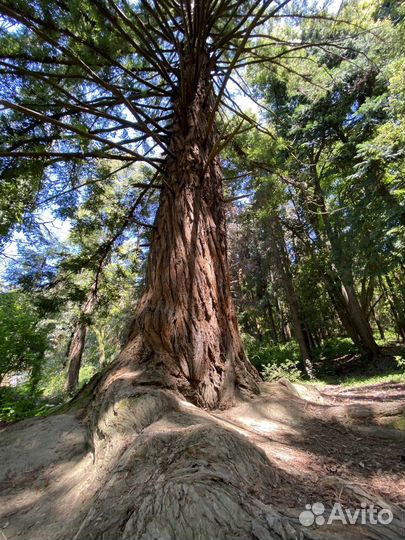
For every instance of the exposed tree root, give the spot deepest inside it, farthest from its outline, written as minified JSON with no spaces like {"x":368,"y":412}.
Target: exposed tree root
{"x":145,"y":464}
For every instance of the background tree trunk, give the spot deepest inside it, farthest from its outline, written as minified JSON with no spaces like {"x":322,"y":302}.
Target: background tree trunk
{"x":79,"y":339}
{"x":339,"y":281}
{"x":300,"y":330}
{"x":396,"y":308}
{"x":75,"y":356}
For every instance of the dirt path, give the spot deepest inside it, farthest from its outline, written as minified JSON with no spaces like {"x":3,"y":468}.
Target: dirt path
{"x":332,"y":435}
{"x":329,"y":445}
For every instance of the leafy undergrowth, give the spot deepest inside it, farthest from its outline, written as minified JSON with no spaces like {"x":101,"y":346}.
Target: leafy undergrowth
{"x":336,"y":362}
{"x":19,"y":402}
{"x":274,"y":362}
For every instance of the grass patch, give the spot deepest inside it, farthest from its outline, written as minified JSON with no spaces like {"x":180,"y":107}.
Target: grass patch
{"x":358,"y":380}
{"x":366,"y":380}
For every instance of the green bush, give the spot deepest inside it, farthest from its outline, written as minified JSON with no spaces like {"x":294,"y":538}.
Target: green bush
{"x":52,"y":384}
{"x":261,"y":354}
{"x":400,"y":362}
{"x":17,"y":403}
{"x":389,"y":339}
{"x":86,"y":373}
{"x":335,"y":348}
{"x":22,"y":340}
{"x":274,"y":361}
{"x":287,"y":369}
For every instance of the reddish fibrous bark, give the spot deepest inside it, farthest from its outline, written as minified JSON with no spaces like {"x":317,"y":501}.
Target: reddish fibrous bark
{"x":185,"y":334}
{"x":75,"y":355}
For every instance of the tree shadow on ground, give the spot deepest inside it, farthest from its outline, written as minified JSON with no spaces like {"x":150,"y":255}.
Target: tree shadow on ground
{"x":276,"y":451}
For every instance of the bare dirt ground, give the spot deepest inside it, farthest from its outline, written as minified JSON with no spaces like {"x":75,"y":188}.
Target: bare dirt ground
{"x":326,"y":441}
{"x":322,"y":445}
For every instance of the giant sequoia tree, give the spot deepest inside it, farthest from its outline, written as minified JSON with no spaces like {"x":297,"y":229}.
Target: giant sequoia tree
{"x":147,"y":82}
{"x":144,"y":82}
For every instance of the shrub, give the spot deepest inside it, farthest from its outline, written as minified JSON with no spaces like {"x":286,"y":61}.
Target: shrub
{"x":53,"y":385}
{"x":22,"y":341}
{"x":335,"y":348}
{"x":400,"y":362}
{"x":287,"y":369}
{"x":86,"y":373}
{"x":274,"y":361}
{"x":261,"y":354}
{"x":17,"y":403}
{"x":54,"y":375}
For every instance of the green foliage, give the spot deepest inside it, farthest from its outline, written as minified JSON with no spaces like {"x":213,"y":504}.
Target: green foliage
{"x":287,"y":369}
{"x":274,"y":361}
{"x":400,"y":361}
{"x":17,"y":403}
{"x":53,"y":384}
{"x":22,"y":401}
{"x":335,"y":348}
{"x":330,"y":168}
{"x":390,"y":337}
{"x":22,"y":340}
{"x":86,"y":373}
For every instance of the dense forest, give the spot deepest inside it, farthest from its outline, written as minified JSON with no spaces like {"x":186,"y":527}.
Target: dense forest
{"x":202,"y":208}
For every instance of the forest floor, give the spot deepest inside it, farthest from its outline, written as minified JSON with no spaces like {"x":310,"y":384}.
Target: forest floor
{"x":328,"y":444}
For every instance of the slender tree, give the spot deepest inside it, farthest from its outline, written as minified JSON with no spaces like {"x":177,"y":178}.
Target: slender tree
{"x":77,"y":342}
{"x":300,"y":328}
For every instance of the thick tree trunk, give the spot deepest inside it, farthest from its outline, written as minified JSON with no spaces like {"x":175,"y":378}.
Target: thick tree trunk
{"x":184,"y":346}
{"x":334,"y":289}
{"x":361,"y":322}
{"x":185,"y":334}
{"x":350,"y":314}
